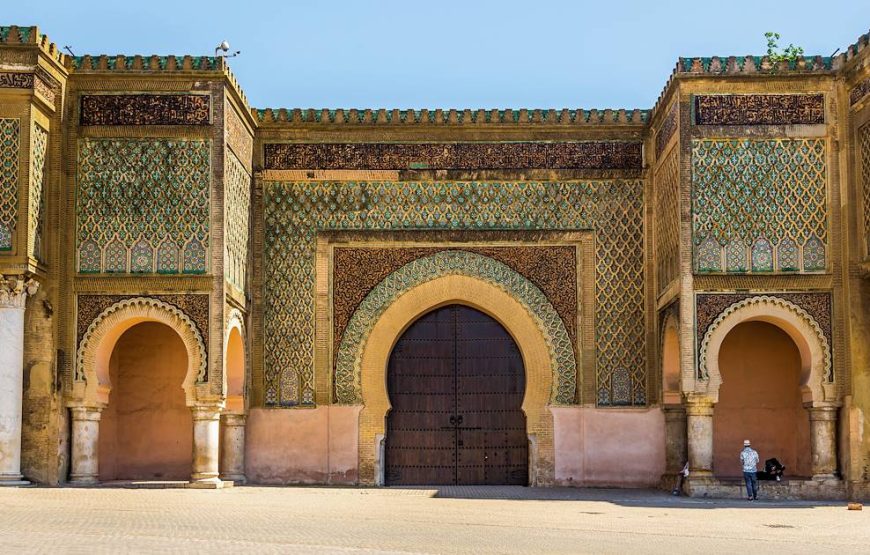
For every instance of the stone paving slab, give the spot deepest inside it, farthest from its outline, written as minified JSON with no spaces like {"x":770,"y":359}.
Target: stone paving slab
{"x":416,"y":520}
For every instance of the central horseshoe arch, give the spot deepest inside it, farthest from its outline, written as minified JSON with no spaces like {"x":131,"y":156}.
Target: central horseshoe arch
{"x":456,"y":383}
{"x":495,"y":303}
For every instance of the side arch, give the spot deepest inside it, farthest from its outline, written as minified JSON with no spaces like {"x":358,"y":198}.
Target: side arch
{"x":560,"y":351}
{"x":669,"y":357}
{"x":92,"y":385}
{"x":235,"y":374}
{"x":392,"y":322}
{"x":817,"y":378}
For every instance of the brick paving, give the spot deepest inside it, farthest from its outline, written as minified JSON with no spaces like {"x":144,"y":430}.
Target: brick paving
{"x":424,"y":520}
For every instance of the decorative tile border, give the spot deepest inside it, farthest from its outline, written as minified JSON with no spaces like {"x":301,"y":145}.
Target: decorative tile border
{"x":759,"y":109}
{"x":145,"y":109}
{"x":819,"y":305}
{"x":90,"y":306}
{"x":294,"y":212}
{"x":421,"y":270}
{"x":573,"y":155}
{"x":710,"y":305}
{"x":357,"y":270}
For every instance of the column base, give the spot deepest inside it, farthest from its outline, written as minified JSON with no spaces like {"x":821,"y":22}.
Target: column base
{"x":15,"y":483}
{"x":83,"y":481}
{"x":824,"y":477}
{"x":238,"y":479}
{"x":210,"y":483}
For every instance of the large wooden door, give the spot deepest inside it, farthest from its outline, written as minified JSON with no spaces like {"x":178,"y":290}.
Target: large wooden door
{"x":456,"y":383}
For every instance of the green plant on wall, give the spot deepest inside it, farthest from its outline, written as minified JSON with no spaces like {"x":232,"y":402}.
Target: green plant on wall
{"x":790,"y":54}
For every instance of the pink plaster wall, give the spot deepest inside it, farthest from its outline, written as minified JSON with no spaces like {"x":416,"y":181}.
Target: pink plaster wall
{"x":609,"y":447}
{"x":306,"y":446}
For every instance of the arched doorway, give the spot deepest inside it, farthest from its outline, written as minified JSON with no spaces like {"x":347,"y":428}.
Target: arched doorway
{"x":233,"y":421}
{"x":760,"y":399}
{"x":145,"y":430}
{"x":456,"y":383}
{"x":235,"y":372}
{"x":671,"y":363}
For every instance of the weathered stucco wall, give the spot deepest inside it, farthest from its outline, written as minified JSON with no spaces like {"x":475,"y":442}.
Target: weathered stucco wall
{"x":609,"y":447}
{"x":302,"y":446}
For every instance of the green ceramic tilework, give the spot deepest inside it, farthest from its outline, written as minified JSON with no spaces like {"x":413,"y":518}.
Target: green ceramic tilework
{"x":294,"y":212}
{"x":138,"y":197}
{"x":36,"y":197}
{"x":864,"y":150}
{"x":9,"y":147}
{"x":759,"y":205}
{"x":237,"y":188}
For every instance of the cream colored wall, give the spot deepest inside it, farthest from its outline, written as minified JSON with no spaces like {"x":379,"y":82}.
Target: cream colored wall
{"x":760,"y":400}
{"x":146,"y":430}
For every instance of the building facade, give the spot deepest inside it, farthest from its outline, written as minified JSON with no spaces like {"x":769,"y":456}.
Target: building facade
{"x":194,"y":289}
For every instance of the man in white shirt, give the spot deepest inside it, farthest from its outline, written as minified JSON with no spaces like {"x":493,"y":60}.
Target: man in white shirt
{"x":749,"y":460}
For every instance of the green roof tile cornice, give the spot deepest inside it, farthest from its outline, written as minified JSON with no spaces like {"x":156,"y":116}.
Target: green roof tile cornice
{"x":16,"y":35}
{"x":121,"y":63}
{"x":745,"y":65}
{"x":859,"y":45}
{"x":452,"y":116}
{"x":13,"y":34}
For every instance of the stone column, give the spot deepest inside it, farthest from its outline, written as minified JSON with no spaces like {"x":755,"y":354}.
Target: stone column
{"x":84,"y":466}
{"x":675,"y":438}
{"x":699,"y":436}
{"x":233,"y":448}
{"x":206,"y":446}
{"x":823,"y":441}
{"x":13,"y":293}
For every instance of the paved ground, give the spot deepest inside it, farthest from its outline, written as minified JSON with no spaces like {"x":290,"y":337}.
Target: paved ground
{"x":451,"y":520}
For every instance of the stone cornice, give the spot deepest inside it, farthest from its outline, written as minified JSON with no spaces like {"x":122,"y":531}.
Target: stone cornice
{"x":15,"y":289}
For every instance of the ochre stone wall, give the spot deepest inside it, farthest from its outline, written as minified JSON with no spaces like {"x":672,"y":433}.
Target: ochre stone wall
{"x":151,"y":176}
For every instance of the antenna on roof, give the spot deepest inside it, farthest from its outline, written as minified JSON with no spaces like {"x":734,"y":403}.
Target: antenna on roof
{"x":68,"y":49}
{"x":222,"y":50}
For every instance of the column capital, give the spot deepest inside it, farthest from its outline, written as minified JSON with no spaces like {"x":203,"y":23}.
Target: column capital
{"x":15,"y":289}
{"x":699,"y":405}
{"x":235,"y":419}
{"x":210,"y":411}
{"x":822,"y":413}
{"x":80,"y":412}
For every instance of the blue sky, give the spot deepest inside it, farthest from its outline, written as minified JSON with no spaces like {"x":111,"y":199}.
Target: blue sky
{"x":446,"y":53}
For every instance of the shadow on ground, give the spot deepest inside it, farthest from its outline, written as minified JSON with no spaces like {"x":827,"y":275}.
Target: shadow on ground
{"x":622,"y":497}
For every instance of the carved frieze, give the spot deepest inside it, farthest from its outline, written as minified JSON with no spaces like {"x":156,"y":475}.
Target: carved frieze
{"x":16,"y":80}
{"x":759,"y":109}
{"x":861,"y":90}
{"x":470,"y":156}
{"x":668,"y":128}
{"x":145,"y":109}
